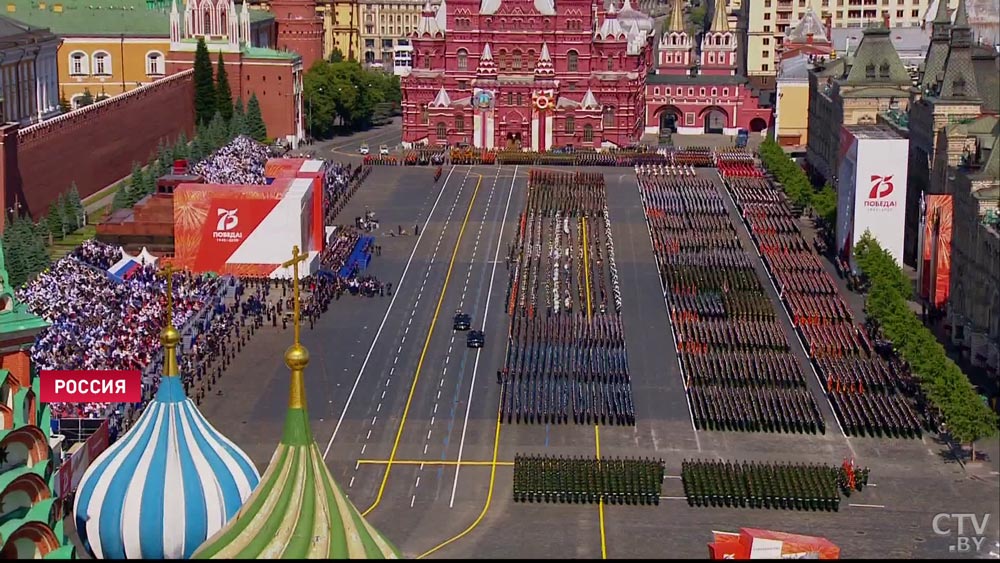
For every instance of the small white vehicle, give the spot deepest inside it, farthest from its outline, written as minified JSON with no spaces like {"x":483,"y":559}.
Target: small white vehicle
{"x":364,"y":149}
{"x":383,"y":150}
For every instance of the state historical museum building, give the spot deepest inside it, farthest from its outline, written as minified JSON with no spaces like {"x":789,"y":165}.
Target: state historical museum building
{"x":532,"y":74}
{"x":543,"y":74}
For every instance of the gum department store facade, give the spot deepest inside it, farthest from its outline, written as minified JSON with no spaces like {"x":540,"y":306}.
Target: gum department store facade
{"x":542,"y":74}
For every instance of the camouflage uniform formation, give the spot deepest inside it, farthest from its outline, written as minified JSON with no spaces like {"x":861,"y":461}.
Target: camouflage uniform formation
{"x":566,"y":357}
{"x":867,"y":393}
{"x":769,"y":485}
{"x":738,"y":369}
{"x":540,"y":478}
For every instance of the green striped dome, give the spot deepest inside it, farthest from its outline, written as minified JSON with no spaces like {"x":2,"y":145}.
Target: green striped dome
{"x":297,"y":511}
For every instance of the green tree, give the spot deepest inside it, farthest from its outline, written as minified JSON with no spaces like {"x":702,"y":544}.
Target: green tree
{"x":14,"y":253}
{"x":217,"y":131}
{"x":320,"y":108}
{"x":64,"y":105}
{"x":54,"y":220}
{"x":120,"y":200}
{"x":336,"y":55}
{"x":181,"y":147}
{"x":36,"y":253}
{"x":967,"y":418}
{"x":256,"y":128}
{"x":223,"y":95}
{"x":198,"y":149}
{"x":149,"y":178}
{"x":825,"y":203}
{"x":238,"y":124}
{"x":86,"y":98}
{"x":136,"y":185}
{"x":76,"y":204}
{"x":204,"y":84}
{"x":164,"y":154}
{"x":65,"y":214}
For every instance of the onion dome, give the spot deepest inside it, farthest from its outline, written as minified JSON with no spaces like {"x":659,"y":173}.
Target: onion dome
{"x":298,"y":511}
{"x":169,"y":483}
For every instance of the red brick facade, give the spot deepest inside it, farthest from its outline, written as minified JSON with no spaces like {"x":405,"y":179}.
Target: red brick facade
{"x":273,"y":80}
{"x":300,"y":30}
{"x":93,"y":146}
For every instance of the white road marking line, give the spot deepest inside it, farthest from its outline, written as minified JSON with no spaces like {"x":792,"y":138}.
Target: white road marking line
{"x":378,"y":408}
{"x":866,"y":505}
{"x":378,"y":333}
{"x":374,"y":418}
{"x":425,"y":448}
{"x":673,"y":498}
{"x":363,"y":448}
{"x":418,"y":483}
{"x":475,"y":368}
{"x":412,"y":500}
{"x":351,"y":484}
{"x":369,"y":434}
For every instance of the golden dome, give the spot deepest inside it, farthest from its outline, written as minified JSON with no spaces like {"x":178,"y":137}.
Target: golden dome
{"x":296,"y":357}
{"x":169,"y":336}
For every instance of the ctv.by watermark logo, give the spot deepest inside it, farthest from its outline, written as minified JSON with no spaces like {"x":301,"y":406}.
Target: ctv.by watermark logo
{"x":968,"y":530}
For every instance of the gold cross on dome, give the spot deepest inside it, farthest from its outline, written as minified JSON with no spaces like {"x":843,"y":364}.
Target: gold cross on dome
{"x":297,"y":257}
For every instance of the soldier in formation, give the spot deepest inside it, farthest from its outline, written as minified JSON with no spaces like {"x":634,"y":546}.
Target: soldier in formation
{"x":566,"y":358}
{"x":869,"y":395}
{"x":542,"y":478}
{"x":563,"y":367}
{"x":764,"y":485}
{"x":736,"y":361}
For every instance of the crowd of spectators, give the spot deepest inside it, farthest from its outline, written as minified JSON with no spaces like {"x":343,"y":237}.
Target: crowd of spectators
{"x":98,"y":322}
{"x":241,"y":161}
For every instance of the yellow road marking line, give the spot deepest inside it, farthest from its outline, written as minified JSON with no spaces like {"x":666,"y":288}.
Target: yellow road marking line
{"x":423,"y":353}
{"x":600,"y":504}
{"x":489,"y":495}
{"x":434,"y":462}
{"x":586,"y":268}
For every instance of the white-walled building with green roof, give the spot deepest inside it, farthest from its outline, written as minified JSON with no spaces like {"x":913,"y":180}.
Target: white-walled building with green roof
{"x":112,"y":46}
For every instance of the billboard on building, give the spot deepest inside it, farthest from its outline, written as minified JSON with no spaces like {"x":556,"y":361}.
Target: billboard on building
{"x":871,"y":188}
{"x":242,"y":230}
{"x":304,"y":168}
{"x":935,"y":266}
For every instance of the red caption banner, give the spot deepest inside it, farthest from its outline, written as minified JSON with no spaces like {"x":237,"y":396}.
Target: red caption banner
{"x":90,"y":386}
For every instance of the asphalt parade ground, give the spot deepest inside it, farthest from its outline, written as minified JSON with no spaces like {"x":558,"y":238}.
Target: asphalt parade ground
{"x":408,"y":417}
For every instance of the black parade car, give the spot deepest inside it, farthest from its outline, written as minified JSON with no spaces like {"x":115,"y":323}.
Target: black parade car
{"x":476,"y":339}
{"x":462,"y":321}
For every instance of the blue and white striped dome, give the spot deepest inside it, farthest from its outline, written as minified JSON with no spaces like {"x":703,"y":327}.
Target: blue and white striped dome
{"x":165,"y":487}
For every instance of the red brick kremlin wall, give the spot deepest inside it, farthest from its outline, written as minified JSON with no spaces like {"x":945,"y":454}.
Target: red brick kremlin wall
{"x":94,"y":146}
